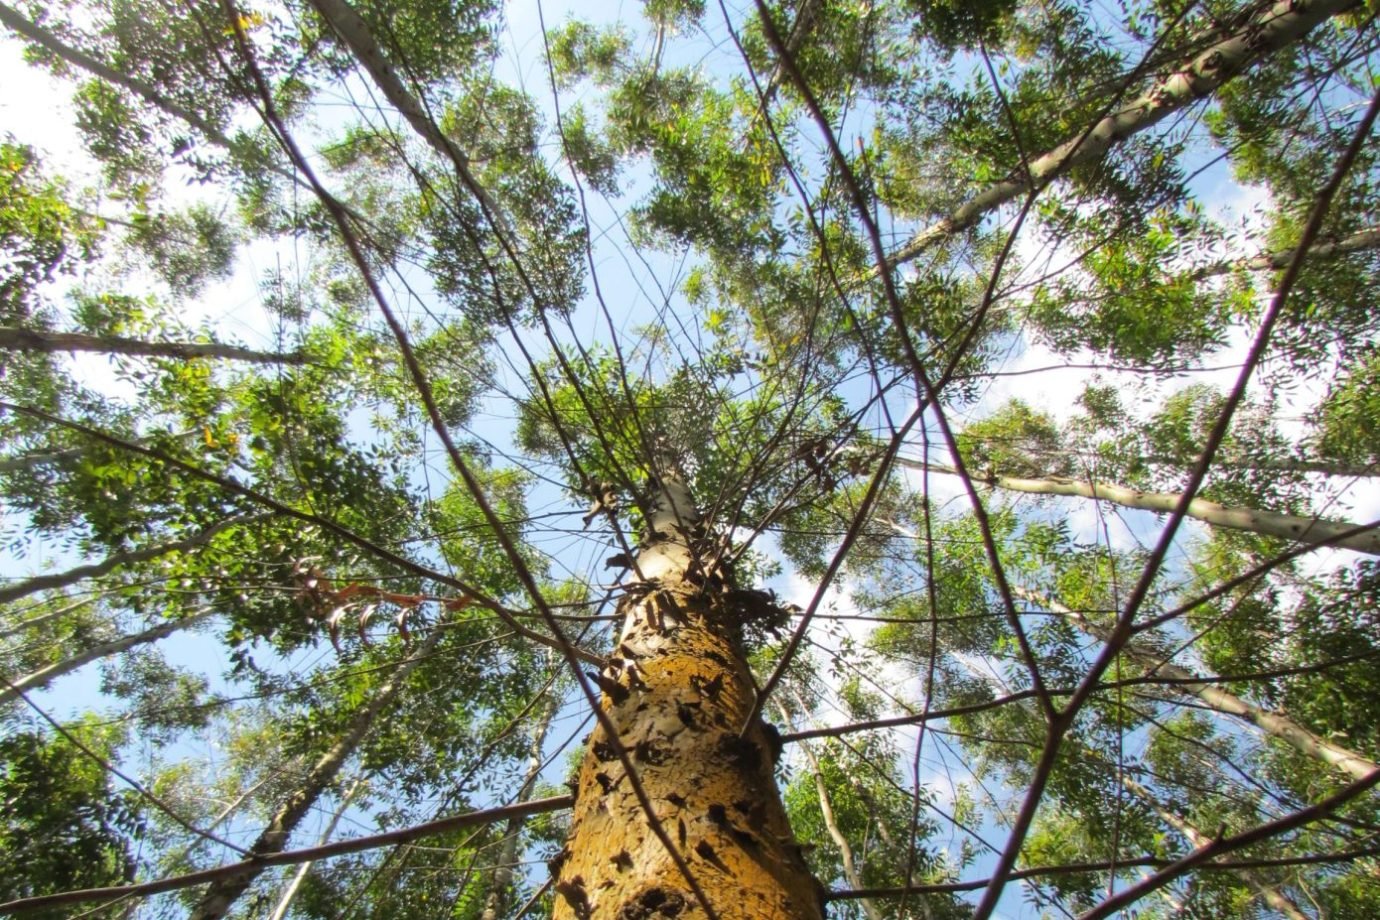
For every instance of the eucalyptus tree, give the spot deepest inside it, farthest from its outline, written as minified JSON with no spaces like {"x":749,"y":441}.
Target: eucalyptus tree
{"x":462,"y":390}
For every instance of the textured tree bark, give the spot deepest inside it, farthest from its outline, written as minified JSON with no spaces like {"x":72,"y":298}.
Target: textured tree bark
{"x":679,"y":691}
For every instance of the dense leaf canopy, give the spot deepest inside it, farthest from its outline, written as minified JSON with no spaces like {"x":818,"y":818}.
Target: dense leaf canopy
{"x":1021,"y":358}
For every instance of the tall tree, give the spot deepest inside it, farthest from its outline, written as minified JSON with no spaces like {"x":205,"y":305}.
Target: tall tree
{"x":887,"y":460}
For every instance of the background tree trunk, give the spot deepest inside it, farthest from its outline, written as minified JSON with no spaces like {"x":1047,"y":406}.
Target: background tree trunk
{"x":1266,"y":523}
{"x":36,"y":340}
{"x":70,"y":577}
{"x":221,"y":895}
{"x":1268,"y":891}
{"x":498,"y":901}
{"x":1184,"y":681}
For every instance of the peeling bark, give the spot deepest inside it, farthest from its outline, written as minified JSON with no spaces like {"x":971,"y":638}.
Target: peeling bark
{"x":679,"y":690}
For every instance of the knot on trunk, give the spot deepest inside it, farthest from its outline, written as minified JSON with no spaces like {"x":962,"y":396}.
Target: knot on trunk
{"x":653,"y":902}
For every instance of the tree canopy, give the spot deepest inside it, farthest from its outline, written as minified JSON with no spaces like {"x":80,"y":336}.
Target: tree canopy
{"x":817,"y":459}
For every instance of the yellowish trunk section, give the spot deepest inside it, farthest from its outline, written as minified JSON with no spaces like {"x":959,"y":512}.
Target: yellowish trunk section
{"x":683,"y":694}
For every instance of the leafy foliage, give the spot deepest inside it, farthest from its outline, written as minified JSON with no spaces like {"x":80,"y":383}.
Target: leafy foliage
{"x":891,"y":289}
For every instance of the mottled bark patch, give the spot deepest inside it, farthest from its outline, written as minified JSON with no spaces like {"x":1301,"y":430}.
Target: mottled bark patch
{"x":652,"y":902}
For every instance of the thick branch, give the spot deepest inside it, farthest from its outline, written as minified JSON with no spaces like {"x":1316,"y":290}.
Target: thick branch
{"x":1185,"y":681}
{"x":40,"y":36}
{"x":16,"y":339}
{"x":1268,"y":523}
{"x":56,"y":613}
{"x":1281,"y":25}
{"x":28,"y":461}
{"x":96,"y":569}
{"x":38,"y":458}
{"x":1224,"y":865}
{"x":44,"y":676}
{"x":331,"y":526}
{"x":1336,"y":468}
{"x":496,"y":902}
{"x":800,"y":29}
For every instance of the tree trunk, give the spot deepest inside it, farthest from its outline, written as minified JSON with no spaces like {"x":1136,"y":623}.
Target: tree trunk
{"x":498,"y":902}
{"x":1185,"y":681}
{"x":222,"y":894}
{"x":1058,"y":460}
{"x":281,"y":908}
{"x":679,"y":691}
{"x":15,"y":339}
{"x":1321,"y":250}
{"x":58,"y":613}
{"x":1267,"y":891}
{"x":18,"y":462}
{"x":1262,"y":35}
{"x":38,"y":458}
{"x":44,"y":676}
{"x":826,"y":809}
{"x":11,"y":18}
{"x":800,"y":30}
{"x":1266,"y":523}
{"x":355,"y":34}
